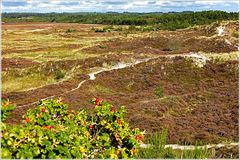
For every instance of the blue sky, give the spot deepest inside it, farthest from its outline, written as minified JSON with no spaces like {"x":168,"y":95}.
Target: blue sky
{"x":117,"y":5}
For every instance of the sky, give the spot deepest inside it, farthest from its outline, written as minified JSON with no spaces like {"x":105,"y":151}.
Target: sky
{"x":44,"y":6}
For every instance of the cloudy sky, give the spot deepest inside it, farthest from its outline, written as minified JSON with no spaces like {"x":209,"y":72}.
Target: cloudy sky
{"x":117,"y":5}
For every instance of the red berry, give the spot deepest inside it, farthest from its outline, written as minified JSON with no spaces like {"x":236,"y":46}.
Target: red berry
{"x":138,"y":137}
{"x":27,"y":120}
{"x":97,"y":101}
{"x":43,"y":110}
{"x":46,"y":127}
{"x":91,"y":126}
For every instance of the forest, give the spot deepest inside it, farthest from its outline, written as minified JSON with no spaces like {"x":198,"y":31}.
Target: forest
{"x":165,"y":21}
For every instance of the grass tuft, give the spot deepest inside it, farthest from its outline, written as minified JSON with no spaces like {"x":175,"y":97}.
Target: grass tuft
{"x":156,"y":149}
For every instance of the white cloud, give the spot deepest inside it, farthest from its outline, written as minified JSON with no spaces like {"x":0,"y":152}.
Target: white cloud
{"x":116,"y":5}
{"x":209,"y":2}
{"x":162,"y":3}
{"x":140,"y":3}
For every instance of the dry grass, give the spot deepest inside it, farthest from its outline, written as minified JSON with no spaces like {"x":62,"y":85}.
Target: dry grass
{"x":222,"y":57}
{"x":28,"y":82}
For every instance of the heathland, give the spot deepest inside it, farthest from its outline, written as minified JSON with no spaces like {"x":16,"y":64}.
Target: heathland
{"x":175,"y":71}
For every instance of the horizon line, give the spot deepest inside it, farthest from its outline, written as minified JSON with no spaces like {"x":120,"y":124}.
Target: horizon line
{"x":124,"y":12}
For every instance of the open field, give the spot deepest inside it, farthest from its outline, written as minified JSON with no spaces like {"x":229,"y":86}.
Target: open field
{"x":184,"y":80}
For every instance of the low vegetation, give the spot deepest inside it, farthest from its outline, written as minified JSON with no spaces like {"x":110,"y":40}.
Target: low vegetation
{"x":59,"y":75}
{"x":6,"y":108}
{"x":51,"y":131}
{"x":159,"y":92}
{"x":25,"y":81}
{"x":156,"y":149}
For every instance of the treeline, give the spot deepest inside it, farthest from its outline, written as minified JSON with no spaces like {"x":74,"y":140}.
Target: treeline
{"x":169,"y":21}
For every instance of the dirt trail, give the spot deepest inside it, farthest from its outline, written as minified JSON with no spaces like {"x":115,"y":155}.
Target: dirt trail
{"x":92,"y":77}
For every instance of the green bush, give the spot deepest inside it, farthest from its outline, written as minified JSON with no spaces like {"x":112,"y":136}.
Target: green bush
{"x":51,"y":131}
{"x":59,"y":75}
{"x":159,"y":92}
{"x":6,"y":108}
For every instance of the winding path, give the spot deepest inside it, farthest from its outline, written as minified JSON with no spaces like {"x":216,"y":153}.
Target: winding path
{"x":119,"y":65}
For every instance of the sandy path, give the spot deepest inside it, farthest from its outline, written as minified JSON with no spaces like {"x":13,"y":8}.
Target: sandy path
{"x":92,"y":77}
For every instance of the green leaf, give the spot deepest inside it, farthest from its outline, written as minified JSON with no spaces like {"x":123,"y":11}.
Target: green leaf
{"x":5,"y":153}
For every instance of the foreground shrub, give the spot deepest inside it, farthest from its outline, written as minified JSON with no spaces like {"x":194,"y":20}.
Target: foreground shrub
{"x":6,"y":108}
{"x":52,"y":131}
